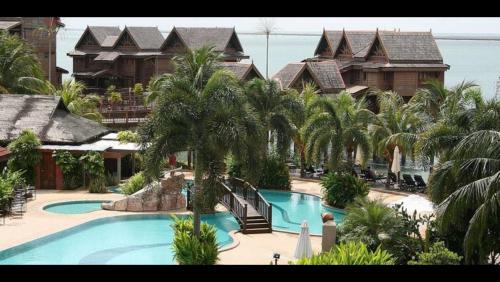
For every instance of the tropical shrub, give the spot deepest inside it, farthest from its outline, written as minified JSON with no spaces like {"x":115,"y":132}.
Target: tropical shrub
{"x":350,"y":253}
{"x":371,"y":222}
{"x":8,"y":180}
{"x":93,"y":164}
{"x":25,"y":155}
{"x":127,"y":136}
{"x":340,"y":189}
{"x":438,"y":254}
{"x":234,"y":169}
{"x":275,"y":174}
{"x":134,"y":184}
{"x":111,"y":179}
{"x":192,"y":250}
{"x":70,"y":167}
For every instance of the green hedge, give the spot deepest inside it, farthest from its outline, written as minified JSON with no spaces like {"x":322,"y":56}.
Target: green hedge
{"x":340,"y":189}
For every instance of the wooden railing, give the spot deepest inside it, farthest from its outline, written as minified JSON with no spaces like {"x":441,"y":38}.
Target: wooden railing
{"x":233,"y":204}
{"x":252,"y":195}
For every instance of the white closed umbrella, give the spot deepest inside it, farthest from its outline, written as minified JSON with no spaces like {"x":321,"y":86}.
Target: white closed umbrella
{"x":304,"y":248}
{"x":396,"y":162}
{"x":359,"y":157}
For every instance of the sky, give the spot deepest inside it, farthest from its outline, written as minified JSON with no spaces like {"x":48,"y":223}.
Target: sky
{"x":303,"y":25}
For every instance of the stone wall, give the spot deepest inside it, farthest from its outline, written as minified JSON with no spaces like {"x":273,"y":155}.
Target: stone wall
{"x":157,"y":196}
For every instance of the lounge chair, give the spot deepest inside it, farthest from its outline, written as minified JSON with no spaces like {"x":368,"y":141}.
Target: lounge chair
{"x":421,"y":185}
{"x":408,"y":183}
{"x":393,"y":178}
{"x":372,"y":176}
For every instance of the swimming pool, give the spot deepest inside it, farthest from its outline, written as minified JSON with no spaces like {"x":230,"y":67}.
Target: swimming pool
{"x":127,"y":239}
{"x":74,"y":207}
{"x":290,"y":209}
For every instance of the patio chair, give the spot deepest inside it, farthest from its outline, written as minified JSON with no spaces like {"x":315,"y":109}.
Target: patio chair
{"x":31,"y":191}
{"x":408,"y":183}
{"x":421,"y":185}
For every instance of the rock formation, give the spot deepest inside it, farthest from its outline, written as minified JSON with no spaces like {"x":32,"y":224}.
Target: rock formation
{"x":164,"y":195}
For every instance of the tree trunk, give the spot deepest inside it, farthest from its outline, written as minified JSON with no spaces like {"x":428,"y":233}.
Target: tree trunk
{"x":189,"y":153}
{"x":198,"y":179}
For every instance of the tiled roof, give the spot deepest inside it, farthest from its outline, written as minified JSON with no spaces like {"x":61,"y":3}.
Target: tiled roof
{"x":47,"y":117}
{"x":360,"y":41}
{"x":6,"y":25}
{"x":410,"y":46}
{"x":240,"y":69}
{"x":196,"y":37}
{"x":326,"y":74}
{"x":102,"y":32}
{"x":287,"y":75}
{"x":107,"y":56}
{"x":147,"y":38}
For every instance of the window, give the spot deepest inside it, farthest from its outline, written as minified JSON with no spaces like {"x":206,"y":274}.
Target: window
{"x":364,"y":76}
{"x":388,"y":76}
{"x":425,"y":76}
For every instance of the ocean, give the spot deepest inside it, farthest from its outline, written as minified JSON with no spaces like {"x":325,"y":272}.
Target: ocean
{"x":472,"y":60}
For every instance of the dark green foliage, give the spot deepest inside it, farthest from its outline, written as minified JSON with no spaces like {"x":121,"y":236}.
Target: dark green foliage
{"x":192,"y":250}
{"x":93,"y":164}
{"x":9,"y":180}
{"x":340,"y":189}
{"x":438,"y":254}
{"x":70,"y":167}
{"x":25,"y":155}
{"x":275,"y":174}
{"x":350,"y":253}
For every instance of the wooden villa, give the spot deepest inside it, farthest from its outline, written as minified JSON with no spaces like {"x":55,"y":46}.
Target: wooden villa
{"x":31,"y":29}
{"x":244,"y":72}
{"x":58,"y":129}
{"x":385,"y":60}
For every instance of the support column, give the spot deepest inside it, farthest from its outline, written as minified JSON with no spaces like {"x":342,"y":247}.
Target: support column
{"x":119,"y":168}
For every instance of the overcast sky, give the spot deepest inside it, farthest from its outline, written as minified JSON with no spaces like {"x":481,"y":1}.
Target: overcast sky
{"x":306,"y":25}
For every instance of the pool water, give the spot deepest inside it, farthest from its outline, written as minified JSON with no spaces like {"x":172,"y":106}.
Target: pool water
{"x":291,"y":209}
{"x":128,"y":239}
{"x":74,"y":207}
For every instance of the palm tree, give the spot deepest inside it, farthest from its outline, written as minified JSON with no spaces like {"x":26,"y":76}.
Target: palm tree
{"x":395,"y":125}
{"x":201,"y":107}
{"x":267,"y":26}
{"x":341,"y":122}
{"x":276,"y":110}
{"x":17,"y":60}
{"x":50,"y":27}
{"x":469,"y":183}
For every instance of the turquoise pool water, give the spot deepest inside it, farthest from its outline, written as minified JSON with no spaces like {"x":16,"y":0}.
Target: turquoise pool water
{"x":74,"y":207}
{"x":128,"y":239}
{"x":291,"y":209}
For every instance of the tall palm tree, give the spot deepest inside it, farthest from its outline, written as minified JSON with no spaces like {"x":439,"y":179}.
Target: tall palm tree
{"x":395,"y":125}
{"x":17,"y":59}
{"x":267,"y":26}
{"x":341,"y":122}
{"x":201,"y":107}
{"x":276,"y":110}
{"x":469,"y":183}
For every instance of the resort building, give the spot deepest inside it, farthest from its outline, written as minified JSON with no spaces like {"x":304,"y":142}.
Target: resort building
{"x":244,"y":72}
{"x":4,"y":157}
{"x":385,"y":60}
{"x":325,"y":75}
{"x":58,"y":129}
{"x":106,"y":55}
{"x":34,"y":30}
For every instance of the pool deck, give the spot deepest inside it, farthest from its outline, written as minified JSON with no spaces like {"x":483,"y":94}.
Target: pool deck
{"x":251,"y":248}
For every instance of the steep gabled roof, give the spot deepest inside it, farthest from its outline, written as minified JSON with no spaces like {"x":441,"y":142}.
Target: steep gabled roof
{"x":360,"y":41}
{"x":325,"y":74}
{"x":196,"y":37}
{"x":102,"y":34}
{"x":410,"y":46}
{"x":47,"y":117}
{"x":147,"y":38}
{"x":287,"y":75}
{"x":241,"y":70}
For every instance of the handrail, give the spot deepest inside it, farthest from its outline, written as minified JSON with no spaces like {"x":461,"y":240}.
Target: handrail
{"x":253,"y":196}
{"x":233,"y":204}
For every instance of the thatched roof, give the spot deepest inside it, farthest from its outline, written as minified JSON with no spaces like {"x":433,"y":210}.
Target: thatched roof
{"x":47,"y":117}
{"x":196,"y":37}
{"x":326,"y":75}
{"x":242,"y":71}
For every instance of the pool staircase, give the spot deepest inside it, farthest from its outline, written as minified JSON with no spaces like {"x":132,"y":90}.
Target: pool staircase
{"x":248,"y":206}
